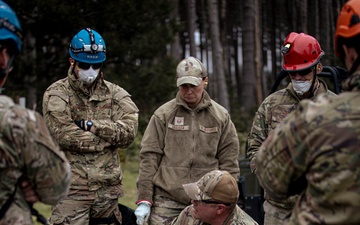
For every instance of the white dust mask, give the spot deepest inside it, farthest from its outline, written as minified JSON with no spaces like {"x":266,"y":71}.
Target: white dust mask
{"x":301,"y":87}
{"x":88,"y":76}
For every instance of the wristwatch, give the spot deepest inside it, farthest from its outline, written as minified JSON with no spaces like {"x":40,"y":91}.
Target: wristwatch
{"x":89,"y":124}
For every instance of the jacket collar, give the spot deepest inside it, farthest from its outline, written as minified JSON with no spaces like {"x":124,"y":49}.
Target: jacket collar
{"x":205,"y":102}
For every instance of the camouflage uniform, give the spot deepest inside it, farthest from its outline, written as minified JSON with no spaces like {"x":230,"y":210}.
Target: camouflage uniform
{"x":97,"y":174}
{"x":28,"y":151}
{"x":180,"y":145}
{"x":236,"y":217}
{"x":270,"y":113}
{"x":315,"y":153}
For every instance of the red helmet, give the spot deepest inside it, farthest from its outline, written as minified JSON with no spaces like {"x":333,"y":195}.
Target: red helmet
{"x":348,"y":23}
{"x":300,"y":52}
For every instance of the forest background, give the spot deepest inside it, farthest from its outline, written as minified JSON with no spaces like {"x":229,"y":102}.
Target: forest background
{"x":239,"y":41}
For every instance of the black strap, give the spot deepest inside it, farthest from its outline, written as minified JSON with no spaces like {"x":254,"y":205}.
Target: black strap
{"x":7,"y":204}
{"x":104,"y":220}
{"x":40,"y":218}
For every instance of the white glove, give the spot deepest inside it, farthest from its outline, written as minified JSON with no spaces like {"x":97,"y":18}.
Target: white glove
{"x":142,"y":212}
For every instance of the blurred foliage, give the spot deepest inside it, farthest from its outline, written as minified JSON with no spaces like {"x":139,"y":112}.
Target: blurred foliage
{"x":135,"y":37}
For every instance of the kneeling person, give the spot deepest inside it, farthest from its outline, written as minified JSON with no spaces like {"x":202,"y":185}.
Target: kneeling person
{"x":214,"y":199}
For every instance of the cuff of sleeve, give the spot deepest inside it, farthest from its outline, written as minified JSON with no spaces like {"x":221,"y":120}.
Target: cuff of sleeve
{"x":96,"y":125}
{"x":143,"y":201}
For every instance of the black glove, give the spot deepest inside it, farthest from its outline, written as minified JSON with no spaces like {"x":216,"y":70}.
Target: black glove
{"x":80,"y":123}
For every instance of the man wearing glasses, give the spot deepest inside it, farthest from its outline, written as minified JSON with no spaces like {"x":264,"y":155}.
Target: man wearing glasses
{"x":213,"y":199}
{"x":90,"y":118}
{"x":301,"y":59}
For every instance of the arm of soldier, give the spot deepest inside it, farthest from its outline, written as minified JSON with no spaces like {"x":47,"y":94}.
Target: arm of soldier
{"x":57,"y":115}
{"x":228,"y":149}
{"x":281,"y":159}
{"x":46,"y":166}
{"x":152,"y":147}
{"x":121,"y":130}
{"x":257,"y":135}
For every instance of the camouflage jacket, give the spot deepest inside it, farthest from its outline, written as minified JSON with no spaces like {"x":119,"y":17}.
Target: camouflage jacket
{"x":28,"y":151}
{"x":115,"y":117}
{"x":315,"y":152}
{"x":236,"y":217}
{"x":180,"y":145}
{"x":270,"y":113}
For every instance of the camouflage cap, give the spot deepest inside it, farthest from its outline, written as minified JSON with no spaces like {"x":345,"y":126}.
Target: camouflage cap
{"x":216,"y":185}
{"x":190,"y":71}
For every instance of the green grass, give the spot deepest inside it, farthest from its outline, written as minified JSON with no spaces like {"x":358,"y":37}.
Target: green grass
{"x":130,"y":172}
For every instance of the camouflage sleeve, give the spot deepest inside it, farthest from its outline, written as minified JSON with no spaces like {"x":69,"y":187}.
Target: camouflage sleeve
{"x":57,"y":115}
{"x":46,"y":167}
{"x":228,"y":149}
{"x":281,"y":160}
{"x":122,"y":128}
{"x":257,"y":135}
{"x":185,"y":217}
{"x":152,"y":147}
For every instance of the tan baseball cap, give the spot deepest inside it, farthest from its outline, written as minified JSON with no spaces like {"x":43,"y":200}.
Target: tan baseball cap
{"x":217,"y":185}
{"x":190,"y":71}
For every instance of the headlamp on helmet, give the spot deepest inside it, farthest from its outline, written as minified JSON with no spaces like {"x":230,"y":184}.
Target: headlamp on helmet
{"x":88,"y":46}
{"x":300,"y":51}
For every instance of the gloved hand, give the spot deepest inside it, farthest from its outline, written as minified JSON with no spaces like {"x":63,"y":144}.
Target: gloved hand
{"x":142,"y":212}
{"x":80,"y":123}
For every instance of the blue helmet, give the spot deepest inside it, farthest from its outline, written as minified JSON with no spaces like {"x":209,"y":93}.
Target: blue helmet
{"x":10,"y":28}
{"x":88,"y":46}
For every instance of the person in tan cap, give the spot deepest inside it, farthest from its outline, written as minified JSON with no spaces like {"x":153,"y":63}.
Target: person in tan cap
{"x":186,"y":137}
{"x":214,"y":199}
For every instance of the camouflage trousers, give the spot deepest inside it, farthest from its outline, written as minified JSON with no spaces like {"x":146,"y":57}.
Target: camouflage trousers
{"x":72,"y":211}
{"x":275,"y":215}
{"x":164,"y":210}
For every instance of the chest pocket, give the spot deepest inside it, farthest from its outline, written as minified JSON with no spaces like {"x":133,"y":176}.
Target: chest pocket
{"x":279,"y":113}
{"x":208,"y":130}
{"x":57,"y":101}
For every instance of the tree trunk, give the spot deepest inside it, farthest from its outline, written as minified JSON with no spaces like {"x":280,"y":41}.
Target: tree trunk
{"x":191,"y":6}
{"x":325,"y":33}
{"x":258,"y":53}
{"x":304,"y":15}
{"x":175,"y":47}
{"x":217,"y":51}
{"x":31,"y":76}
{"x":223,"y":31}
{"x":248,"y":93}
